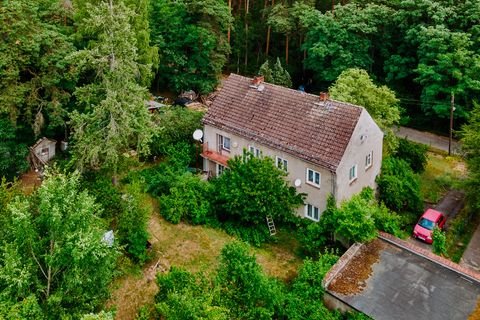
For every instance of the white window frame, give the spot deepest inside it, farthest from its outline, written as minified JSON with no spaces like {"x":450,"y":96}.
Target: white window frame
{"x":310,"y":212}
{"x":221,"y":143}
{"x":281,"y":163}
{"x":355,"y":175}
{"x":255,"y":151}
{"x":312,"y":182}
{"x":369,"y":160}
{"x":220,"y":169}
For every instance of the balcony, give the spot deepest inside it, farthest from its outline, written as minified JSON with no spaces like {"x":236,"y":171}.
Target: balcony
{"x":220,"y":157}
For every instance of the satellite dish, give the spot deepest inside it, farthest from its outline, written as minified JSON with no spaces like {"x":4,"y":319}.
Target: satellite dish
{"x":198,"y":135}
{"x":297,"y":183}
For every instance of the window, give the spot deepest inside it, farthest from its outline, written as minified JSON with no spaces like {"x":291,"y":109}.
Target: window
{"x":223,"y":143}
{"x":368,"y":160}
{"x":353,"y":173}
{"x":44,"y":151}
{"x":313,"y":177}
{"x":255,"y":151}
{"x":312,"y":212}
{"x":282,"y":163}
{"x":220,"y":169}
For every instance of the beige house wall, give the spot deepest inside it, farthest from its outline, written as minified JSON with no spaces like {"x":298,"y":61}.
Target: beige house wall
{"x":356,"y":154}
{"x":297,"y":168}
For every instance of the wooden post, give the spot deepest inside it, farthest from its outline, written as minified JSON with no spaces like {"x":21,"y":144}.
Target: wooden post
{"x":452,"y":108}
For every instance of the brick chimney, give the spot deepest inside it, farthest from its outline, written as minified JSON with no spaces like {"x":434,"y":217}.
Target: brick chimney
{"x":324,"y":96}
{"x":257,"y":80}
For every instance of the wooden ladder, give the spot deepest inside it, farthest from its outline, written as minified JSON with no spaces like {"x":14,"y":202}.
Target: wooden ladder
{"x":271,"y":225}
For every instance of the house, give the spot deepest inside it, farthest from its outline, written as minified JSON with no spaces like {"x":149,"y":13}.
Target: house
{"x":326,"y":146}
{"x":41,"y":152}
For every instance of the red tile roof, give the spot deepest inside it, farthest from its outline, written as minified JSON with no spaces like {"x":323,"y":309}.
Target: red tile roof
{"x":289,"y":120}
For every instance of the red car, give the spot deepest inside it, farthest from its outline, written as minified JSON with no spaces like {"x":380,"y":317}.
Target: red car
{"x":429,"y":220}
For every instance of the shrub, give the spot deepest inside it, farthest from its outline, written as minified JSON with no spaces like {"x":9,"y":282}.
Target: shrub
{"x":253,"y":234}
{"x":132,"y":224}
{"x":187,"y":199}
{"x":307,"y":286}
{"x":243,"y":287}
{"x":105,"y":193}
{"x":412,"y":153}
{"x":399,"y":186}
{"x":439,"y":242}
{"x":175,"y":125}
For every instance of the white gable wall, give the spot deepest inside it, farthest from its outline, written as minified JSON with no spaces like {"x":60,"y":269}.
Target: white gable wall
{"x":355,"y":154}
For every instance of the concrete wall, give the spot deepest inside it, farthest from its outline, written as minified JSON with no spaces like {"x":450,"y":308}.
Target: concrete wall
{"x":297,"y":168}
{"x":45,"y":144}
{"x":355,"y":154}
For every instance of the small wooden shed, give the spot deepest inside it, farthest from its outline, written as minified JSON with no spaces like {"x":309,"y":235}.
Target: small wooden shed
{"x":41,"y":152}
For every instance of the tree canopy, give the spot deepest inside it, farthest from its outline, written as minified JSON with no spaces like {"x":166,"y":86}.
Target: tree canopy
{"x":52,"y":241}
{"x":355,"y":86}
{"x":114,"y":117}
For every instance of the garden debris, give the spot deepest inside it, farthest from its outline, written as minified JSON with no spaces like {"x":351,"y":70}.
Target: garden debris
{"x":353,"y":278}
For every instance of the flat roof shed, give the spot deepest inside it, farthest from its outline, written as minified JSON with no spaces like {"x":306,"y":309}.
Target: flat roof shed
{"x":389,"y":281}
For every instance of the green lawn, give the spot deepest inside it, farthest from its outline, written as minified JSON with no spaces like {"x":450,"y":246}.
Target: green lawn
{"x":441,"y":174}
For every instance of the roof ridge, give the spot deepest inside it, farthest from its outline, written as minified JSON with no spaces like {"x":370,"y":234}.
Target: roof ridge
{"x":298,"y":91}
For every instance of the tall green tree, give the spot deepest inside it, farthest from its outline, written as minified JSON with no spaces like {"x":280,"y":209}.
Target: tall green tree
{"x":276,"y":74}
{"x":52,"y":253}
{"x":191,"y":37}
{"x":471,"y":146}
{"x":147,"y":54}
{"x":14,"y":153}
{"x":35,"y":82}
{"x":355,"y":86}
{"x":447,"y":65}
{"x":114,"y":117}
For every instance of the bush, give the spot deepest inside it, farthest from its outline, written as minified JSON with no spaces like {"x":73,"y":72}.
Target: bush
{"x":105,"y":193}
{"x":243,"y":287}
{"x":307,"y":286}
{"x":175,"y":125}
{"x":253,"y":234}
{"x":132,"y":224}
{"x":188,"y":199}
{"x":399,"y":186}
{"x":414,"y":154}
{"x":439,"y":242}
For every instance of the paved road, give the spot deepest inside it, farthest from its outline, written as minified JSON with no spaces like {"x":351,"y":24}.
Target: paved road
{"x":430,"y":139}
{"x":450,"y":205}
{"x":471,"y":256}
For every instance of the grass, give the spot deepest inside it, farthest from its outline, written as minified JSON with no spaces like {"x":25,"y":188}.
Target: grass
{"x":441,"y":174}
{"x":195,"y":248}
{"x":460,"y":233}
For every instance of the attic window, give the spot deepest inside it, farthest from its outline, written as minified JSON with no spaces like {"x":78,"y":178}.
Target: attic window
{"x":44,"y":151}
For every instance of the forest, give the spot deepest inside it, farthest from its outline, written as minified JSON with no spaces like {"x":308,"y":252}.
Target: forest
{"x":82,"y":71}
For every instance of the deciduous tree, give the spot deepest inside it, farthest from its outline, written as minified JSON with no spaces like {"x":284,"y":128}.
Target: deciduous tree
{"x":52,"y":253}
{"x":355,"y":86}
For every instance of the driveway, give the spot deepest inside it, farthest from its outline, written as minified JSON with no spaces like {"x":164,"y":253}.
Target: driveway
{"x":450,"y":205}
{"x":471,"y":256}
{"x":430,"y":139}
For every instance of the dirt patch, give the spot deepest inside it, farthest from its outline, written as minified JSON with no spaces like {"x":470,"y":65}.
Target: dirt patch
{"x":30,"y":181}
{"x":353,"y":278}
{"x":475,"y":315}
